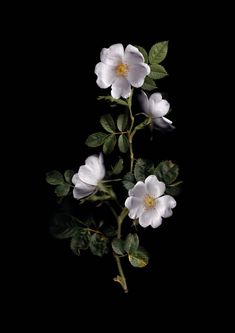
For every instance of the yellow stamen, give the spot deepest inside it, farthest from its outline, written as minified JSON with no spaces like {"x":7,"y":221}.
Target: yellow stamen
{"x":149,"y":201}
{"x":122,"y":70}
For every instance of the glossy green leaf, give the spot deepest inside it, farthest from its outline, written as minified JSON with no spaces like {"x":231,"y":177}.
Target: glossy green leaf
{"x":143,"y":168}
{"x":118,"y":246}
{"x":138,"y":258}
{"x":123,"y":143}
{"x":96,"y":139}
{"x":118,"y":167}
{"x":122,"y":122}
{"x":158,"y":52}
{"x":149,"y":84}
{"x":131,"y":243}
{"x":167,"y":171}
{"x":54,"y":178}
{"x":62,"y":190}
{"x":109,"y":144}
{"x":68,"y":175}
{"x":157,"y":72}
{"x":107,"y":123}
{"x":64,"y":226}
{"x":98,"y":244}
{"x":128,"y":181}
{"x":82,"y":239}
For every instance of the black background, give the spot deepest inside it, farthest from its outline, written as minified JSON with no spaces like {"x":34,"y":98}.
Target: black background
{"x":60,"y":110}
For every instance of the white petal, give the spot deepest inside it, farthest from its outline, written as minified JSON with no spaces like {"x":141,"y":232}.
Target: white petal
{"x":121,"y":88}
{"x":96,"y":165}
{"x":150,"y":217}
{"x":138,"y":190}
{"x":137,"y":73}
{"x":154,"y":187}
{"x":133,"y":56}
{"x":75,"y":178}
{"x":106,"y":75}
{"x":165,"y":204}
{"x":82,"y":190}
{"x":164,"y":123}
{"x":158,"y":108}
{"x":143,"y":101}
{"x":135,"y":207}
{"x":87,"y":175}
{"x":113,"y":56}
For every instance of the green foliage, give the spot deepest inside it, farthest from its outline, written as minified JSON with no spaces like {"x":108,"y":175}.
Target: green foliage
{"x":62,"y":190}
{"x":96,"y":139}
{"x":158,"y":52}
{"x":149,"y":84}
{"x":128,"y":181}
{"x":54,"y":178}
{"x":174,"y":189}
{"x":145,"y":123}
{"x":98,"y":244}
{"x":131,"y":243}
{"x":118,"y":246}
{"x":109,"y":144}
{"x":157,"y":72}
{"x":118,"y":167}
{"x":74,"y":246}
{"x":138,"y":258}
{"x":107,"y":123}
{"x":68,"y":175}
{"x":122,"y":122}
{"x":144,"y":53}
{"x":167,"y":171}
{"x":113,"y":100}
{"x":123,"y":143}
{"x":143,"y":168}
{"x":64,"y":226}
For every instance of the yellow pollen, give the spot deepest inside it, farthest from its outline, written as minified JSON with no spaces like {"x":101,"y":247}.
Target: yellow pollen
{"x":122,"y":69}
{"x":149,"y":202}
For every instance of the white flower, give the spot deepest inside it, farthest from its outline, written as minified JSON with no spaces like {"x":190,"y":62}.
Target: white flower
{"x":156,"y":108}
{"x":88,"y":176}
{"x":146,"y":202}
{"x":121,"y":69}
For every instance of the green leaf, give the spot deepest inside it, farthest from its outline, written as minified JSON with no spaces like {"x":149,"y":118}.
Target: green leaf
{"x":113,"y":100}
{"x":74,"y":246}
{"x":118,"y":246}
{"x":145,"y":123}
{"x":167,"y":172}
{"x":157,"y":72}
{"x":82,"y":239}
{"x":98,"y":245}
{"x":122,"y":122}
{"x":143,"y":168}
{"x":174,"y":189}
{"x":64,"y":226}
{"x":131,"y":243}
{"x":54,"y":178}
{"x":62,"y":190}
{"x":96,"y":139}
{"x":138,"y":258}
{"x":107,"y":123}
{"x":109,"y":144}
{"x":128,"y":181}
{"x":123,"y":143}
{"x":109,"y":230}
{"x":144,"y":53}
{"x":158,"y":52}
{"x":118,"y":167}
{"x":68,"y":175}
{"x":149,"y":84}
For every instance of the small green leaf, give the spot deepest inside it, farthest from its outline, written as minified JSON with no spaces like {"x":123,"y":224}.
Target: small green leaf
{"x":158,"y":52}
{"x":144,"y":53}
{"x":167,"y":172}
{"x":138,"y":259}
{"x":107,"y":123}
{"x":157,"y":72}
{"x":109,"y":144}
{"x":68,"y":175}
{"x":118,"y":246}
{"x":64,"y":226}
{"x":118,"y":167}
{"x":149,"y":84}
{"x":62,"y":190}
{"x":145,"y":123}
{"x":98,"y":244}
{"x":123,"y":143}
{"x":143,"y":168}
{"x":74,"y":246}
{"x":54,"y":178}
{"x":128,"y":181}
{"x":122,"y":122}
{"x":82,"y":239}
{"x":174,"y":189}
{"x":131,"y":243}
{"x":96,"y":139}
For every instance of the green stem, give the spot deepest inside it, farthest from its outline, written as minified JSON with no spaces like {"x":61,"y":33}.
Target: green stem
{"x":130,"y":133}
{"x":120,"y":219}
{"x":121,"y":278}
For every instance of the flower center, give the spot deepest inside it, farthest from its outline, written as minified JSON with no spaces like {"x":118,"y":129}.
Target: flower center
{"x":149,"y":201}
{"x":122,"y":69}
